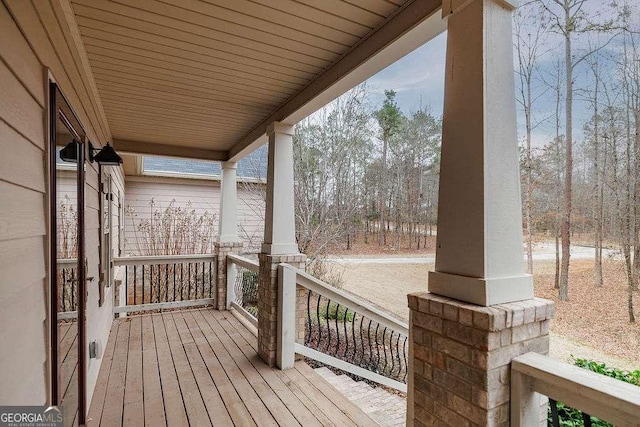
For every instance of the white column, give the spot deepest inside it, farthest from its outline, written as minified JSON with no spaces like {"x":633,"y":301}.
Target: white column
{"x":279,"y":228}
{"x":228,"y":225}
{"x":479,"y":255}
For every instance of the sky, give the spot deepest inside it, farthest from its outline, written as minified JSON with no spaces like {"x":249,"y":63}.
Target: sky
{"x":418,"y":79}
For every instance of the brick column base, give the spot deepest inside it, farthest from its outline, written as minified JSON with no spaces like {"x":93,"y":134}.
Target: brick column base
{"x":268,"y":303}
{"x":461,"y":357}
{"x":222,"y":249}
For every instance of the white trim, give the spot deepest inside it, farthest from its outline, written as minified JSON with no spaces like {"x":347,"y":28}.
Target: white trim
{"x":163,"y":305}
{"x":67,"y":262}
{"x":160,"y":176}
{"x":244,"y":262}
{"x":163,"y":259}
{"x":486,"y":292}
{"x":600,"y":396}
{"x":66,"y":315}
{"x":348,"y":367}
{"x":249,"y":324}
{"x":286,"y":324}
{"x":350,"y":301}
{"x":244,"y":313}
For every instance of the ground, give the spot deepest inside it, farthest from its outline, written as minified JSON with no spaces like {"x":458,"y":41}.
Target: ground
{"x":592,"y":324}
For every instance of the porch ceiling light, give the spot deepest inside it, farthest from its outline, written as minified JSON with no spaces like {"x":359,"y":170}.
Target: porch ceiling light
{"x":107,"y":156}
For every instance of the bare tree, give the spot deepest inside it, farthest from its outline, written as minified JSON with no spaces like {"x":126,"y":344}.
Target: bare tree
{"x":530,"y":32}
{"x":569,"y":18}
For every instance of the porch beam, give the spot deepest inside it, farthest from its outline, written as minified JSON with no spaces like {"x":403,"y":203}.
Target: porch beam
{"x":411,"y":26}
{"x":128,"y":146}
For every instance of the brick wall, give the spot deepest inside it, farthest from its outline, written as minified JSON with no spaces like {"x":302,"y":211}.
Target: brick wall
{"x":461,"y":356}
{"x":268,"y":303}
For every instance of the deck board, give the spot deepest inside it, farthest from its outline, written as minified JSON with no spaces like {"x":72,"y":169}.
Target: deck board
{"x":153,"y":406}
{"x":238,"y":411}
{"x":174,"y":407}
{"x":200,"y":367}
{"x":133,"y":413}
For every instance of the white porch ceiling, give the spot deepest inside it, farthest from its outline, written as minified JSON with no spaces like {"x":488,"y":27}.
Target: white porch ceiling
{"x":202,"y":79}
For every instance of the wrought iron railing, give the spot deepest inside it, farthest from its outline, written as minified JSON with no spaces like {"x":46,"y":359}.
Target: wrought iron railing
{"x":67,"y":285}
{"x":351,"y":336}
{"x":155,"y":282}
{"x":344,"y":331}
{"x":557,"y":411}
{"x":243,"y":286}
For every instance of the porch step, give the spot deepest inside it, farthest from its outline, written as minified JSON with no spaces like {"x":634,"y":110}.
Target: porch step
{"x":386,"y":408}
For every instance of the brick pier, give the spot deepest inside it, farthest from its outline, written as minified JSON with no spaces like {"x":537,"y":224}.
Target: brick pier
{"x":461,"y":355}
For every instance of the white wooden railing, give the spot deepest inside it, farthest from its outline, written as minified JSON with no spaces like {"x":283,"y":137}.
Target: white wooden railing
{"x":242,"y":287}
{"x":341,"y":330}
{"x":607,"y":398}
{"x":67,"y":288}
{"x":165,"y":281}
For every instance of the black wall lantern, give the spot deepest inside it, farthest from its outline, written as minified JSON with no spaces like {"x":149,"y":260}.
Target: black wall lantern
{"x":106,"y":156}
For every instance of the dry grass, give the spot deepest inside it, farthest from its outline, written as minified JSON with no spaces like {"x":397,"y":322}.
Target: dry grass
{"x":597,"y":317}
{"x":593,"y":317}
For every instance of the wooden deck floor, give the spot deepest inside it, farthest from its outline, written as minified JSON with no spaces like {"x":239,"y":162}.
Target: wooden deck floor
{"x":200,"y":367}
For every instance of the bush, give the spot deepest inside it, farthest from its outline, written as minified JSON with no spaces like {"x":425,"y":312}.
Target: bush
{"x":570,"y":417}
{"x":632,"y":377}
{"x":335,"y":312}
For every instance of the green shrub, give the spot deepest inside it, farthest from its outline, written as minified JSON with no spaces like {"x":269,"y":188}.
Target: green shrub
{"x":334,"y":312}
{"x":632,"y":377}
{"x":570,"y":417}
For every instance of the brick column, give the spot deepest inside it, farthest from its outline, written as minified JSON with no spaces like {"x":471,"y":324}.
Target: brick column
{"x":223,"y":249}
{"x":461,"y":356}
{"x":268,"y":303}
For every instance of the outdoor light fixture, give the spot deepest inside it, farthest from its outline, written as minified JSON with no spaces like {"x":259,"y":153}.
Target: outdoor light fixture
{"x":70,"y":152}
{"x":106,"y":156}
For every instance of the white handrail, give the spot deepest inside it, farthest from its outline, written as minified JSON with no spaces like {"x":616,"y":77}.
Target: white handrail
{"x":244,"y":262}
{"x":163,"y":259}
{"x":350,"y":301}
{"x":68,"y":262}
{"x":607,"y":398}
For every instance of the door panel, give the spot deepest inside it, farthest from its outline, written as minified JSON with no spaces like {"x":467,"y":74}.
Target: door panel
{"x":68,"y":283}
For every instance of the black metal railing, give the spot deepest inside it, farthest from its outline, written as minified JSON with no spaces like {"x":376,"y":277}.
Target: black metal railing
{"x":246,"y":290}
{"x":345,"y":334}
{"x":168,"y":280}
{"x":67,"y":289}
{"x":560,"y":415}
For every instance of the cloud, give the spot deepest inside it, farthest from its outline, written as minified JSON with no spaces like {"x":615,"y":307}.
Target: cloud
{"x":418,"y":78}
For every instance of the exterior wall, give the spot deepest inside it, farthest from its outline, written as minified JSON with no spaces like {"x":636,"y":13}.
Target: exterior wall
{"x":204,"y":196}
{"x":35,"y":35}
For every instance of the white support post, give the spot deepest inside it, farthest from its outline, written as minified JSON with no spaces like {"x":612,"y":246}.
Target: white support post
{"x":279,"y":229}
{"x":231,"y":283}
{"x":228,"y":225}
{"x":479,"y":255}
{"x":525,"y":403}
{"x":286,"y":335}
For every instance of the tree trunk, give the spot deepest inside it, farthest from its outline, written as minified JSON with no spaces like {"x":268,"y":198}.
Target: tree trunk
{"x":597,"y":188}
{"x":563,"y":292}
{"x":528,"y":180}
{"x":382,"y":235}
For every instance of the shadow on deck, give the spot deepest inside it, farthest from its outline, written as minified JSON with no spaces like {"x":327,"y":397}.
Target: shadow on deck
{"x":200,"y":367}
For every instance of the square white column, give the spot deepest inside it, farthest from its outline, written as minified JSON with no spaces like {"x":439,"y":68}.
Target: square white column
{"x":479,"y":255}
{"x":228,"y":224}
{"x":280,"y":225}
